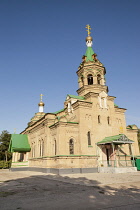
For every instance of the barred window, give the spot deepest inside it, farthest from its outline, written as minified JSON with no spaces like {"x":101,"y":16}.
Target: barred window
{"x":71,"y":146}
{"x":89,"y":138}
{"x":108,"y":120}
{"x":99,"y":119}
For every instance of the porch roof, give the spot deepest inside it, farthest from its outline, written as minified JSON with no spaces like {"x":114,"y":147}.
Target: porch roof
{"x":117,"y":139}
{"x":19,"y":143}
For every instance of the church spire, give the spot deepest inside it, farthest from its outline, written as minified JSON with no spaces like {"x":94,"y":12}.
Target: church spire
{"x":41,"y":104}
{"x":89,"y":52}
{"x":91,"y":72}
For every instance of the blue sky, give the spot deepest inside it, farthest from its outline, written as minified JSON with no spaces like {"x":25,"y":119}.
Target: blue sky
{"x":41,"y":46}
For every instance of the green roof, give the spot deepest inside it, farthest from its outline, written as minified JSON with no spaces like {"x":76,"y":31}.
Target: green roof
{"x":61,"y":110}
{"x":89,"y":53}
{"x":116,"y":105}
{"x":19,"y":143}
{"x":117,"y":139}
{"x":77,"y":97}
{"x":133,"y":127}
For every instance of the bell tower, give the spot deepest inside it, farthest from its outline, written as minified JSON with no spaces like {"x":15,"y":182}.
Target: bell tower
{"x":91,"y":72}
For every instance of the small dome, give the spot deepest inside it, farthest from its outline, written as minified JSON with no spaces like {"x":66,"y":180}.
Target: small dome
{"x":89,"y":38}
{"x":41,"y":103}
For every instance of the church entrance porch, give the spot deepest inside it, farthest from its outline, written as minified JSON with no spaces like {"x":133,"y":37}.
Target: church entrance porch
{"x":115,"y":154}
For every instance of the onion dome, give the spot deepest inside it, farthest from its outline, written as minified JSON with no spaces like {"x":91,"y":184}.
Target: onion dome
{"x":89,"y":38}
{"x":41,"y":104}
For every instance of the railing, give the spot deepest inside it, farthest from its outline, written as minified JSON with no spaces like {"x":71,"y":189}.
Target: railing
{"x":118,"y":163}
{"x":126,"y":163}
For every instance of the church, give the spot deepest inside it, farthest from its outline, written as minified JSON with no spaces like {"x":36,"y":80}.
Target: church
{"x":88,"y":134}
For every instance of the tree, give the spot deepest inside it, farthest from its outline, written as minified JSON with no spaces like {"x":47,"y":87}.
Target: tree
{"x":4,"y":145}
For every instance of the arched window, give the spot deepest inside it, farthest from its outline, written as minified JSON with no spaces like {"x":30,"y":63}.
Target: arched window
{"x":55,"y":147}
{"x":102,"y":101}
{"x":33,"y":149}
{"x":108,"y":120}
{"x":71,"y":147}
{"x":82,"y":79}
{"x":98,"y":79}
{"x":99,"y":119}
{"x":90,"y":79}
{"x":40,"y":149}
{"x":89,"y":138}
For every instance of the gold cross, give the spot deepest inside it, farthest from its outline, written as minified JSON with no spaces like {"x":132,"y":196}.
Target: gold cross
{"x":41,"y":97}
{"x":14,"y":130}
{"x":88,"y":29}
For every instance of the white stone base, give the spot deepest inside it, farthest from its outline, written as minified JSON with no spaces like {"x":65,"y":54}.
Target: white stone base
{"x":116,"y":170}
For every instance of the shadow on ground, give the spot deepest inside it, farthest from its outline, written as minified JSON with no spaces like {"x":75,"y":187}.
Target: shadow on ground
{"x":56,"y":192}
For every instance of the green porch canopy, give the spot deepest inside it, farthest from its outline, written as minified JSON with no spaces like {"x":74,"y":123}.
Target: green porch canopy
{"x":118,"y":139}
{"x":19,"y":143}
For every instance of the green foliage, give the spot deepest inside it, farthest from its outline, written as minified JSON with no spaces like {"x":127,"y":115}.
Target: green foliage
{"x":5,"y":164}
{"x":4,"y":145}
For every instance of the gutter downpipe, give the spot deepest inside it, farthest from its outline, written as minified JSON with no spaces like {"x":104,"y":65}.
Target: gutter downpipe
{"x":97,"y":152}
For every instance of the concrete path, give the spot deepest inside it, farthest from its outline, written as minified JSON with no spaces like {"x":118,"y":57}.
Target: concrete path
{"x":35,"y":190}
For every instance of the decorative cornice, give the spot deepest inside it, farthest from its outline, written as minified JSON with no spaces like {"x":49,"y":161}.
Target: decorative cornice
{"x":91,"y":94}
{"x":92,"y":88}
{"x":111,"y":98}
{"x":88,"y":64}
{"x":62,"y":123}
{"x":120,"y":110}
{"x":78,"y":104}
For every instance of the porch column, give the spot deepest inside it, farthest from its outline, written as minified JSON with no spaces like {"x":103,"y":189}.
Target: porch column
{"x":114,"y":155}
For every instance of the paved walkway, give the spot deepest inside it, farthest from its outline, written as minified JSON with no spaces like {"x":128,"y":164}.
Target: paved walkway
{"x":36,"y":190}
{"x":83,"y":179}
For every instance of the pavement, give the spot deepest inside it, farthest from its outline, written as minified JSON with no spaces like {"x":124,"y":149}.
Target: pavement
{"x":35,"y":190}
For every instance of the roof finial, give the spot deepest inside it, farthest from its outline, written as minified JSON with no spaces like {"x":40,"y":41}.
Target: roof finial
{"x":41,"y":95}
{"x":88,"y":29}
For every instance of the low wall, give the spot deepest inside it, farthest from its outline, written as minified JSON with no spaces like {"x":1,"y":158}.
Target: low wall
{"x":20,"y":164}
{"x":57,"y":171}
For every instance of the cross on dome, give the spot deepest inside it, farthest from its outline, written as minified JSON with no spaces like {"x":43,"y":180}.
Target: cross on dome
{"x":89,"y":38}
{"x":41,"y":95}
{"x":88,"y":29}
